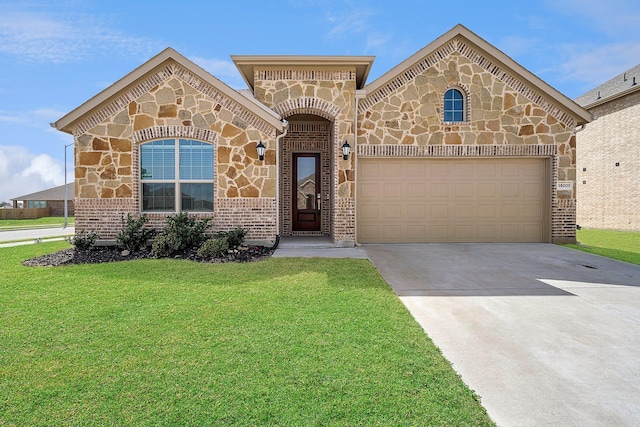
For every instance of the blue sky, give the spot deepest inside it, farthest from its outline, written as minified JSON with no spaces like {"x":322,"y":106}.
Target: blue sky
{"x":55,"y":55}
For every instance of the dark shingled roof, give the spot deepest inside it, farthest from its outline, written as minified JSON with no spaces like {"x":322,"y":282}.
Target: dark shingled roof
{"x":614,"y":88}
{"x":55,"y":193}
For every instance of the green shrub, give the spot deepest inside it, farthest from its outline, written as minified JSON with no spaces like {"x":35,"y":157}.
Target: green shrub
{"x":181,"y":234}
{"x":234,"y":237}
{"x":134,"y":236}
{"x":214,"y":248}
{"x":83,"y":240}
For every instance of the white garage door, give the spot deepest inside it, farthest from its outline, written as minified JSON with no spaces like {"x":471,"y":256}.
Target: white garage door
{"x":451,"y":200}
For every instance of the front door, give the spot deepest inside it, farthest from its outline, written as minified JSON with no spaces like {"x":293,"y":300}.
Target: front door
{"x":306,"y":192}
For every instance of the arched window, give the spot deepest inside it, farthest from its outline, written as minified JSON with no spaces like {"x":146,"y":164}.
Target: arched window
{"x":176,"y":175}
{"x":454,"y":106}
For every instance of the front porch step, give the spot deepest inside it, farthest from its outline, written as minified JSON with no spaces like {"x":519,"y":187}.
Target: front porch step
{"x":303,"y":242}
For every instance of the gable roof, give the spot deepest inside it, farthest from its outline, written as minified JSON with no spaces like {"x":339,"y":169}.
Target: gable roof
{"x":246,"y":64}
{"x":55,"y":193}
{"x":69,"y":122}
{"x":493,"y":60}
{"x":619,"y":86}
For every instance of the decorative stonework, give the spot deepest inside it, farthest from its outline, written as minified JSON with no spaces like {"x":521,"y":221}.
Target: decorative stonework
{"x":459,"y":46}
{"x":107,"y":155}
{"x":316,"y":106}
{"x":456,"y":150}
{"x":158,"y":132}
{"x":158,"y":78}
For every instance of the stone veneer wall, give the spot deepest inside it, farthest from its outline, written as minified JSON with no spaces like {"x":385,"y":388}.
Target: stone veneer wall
{"x":172,"y":102}
{"x":608,"y":164}
{"x":330,"y":94}
{"x":405,"y":117}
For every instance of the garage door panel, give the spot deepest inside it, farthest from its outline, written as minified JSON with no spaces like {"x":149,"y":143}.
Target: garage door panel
{"x":416,"y":189}
{"x":392,"y":190}
{"x":370,"y":191}
{"x":486,"y":189}
{"x":439,"y":189}
{"x":464,"y":189}
{"x":416,"y":211}
{"x":445,"y":200}
{"x":439,"y":211}
{"x":486,"y":211}
{"x":392,"y":211}
{"x":510,"y":190}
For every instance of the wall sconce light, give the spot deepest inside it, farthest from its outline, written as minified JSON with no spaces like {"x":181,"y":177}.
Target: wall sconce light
{"x":346,"y":149}
{"x":261,"y":149}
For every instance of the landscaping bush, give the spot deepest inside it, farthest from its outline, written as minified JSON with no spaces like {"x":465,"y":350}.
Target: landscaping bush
{"x":83,"y":240}
{"x":134,"y":235}
{"x":234,"y":237}
{"x":214,"y":248}
{"x":182,"y":234}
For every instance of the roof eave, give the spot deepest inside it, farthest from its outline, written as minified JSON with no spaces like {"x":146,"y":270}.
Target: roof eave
{"x":246,"y":64}
{"x":610,"y":98}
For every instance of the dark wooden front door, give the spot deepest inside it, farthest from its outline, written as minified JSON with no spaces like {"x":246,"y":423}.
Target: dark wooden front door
{"x":306,"y":192}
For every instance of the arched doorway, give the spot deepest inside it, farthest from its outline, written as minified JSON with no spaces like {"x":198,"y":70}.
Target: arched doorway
{"x":305,"y":170}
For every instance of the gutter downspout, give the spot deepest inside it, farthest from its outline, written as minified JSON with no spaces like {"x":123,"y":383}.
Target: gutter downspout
{"x":285,"y":125}
{"x":360,"y":94}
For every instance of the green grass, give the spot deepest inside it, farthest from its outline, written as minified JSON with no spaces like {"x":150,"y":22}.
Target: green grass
{"x":620,"y":245}
{"x":40,"y":222}
{"x":285,"y":341}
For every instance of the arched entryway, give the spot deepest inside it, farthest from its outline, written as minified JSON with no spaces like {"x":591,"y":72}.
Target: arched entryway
{"x":306,"y":177}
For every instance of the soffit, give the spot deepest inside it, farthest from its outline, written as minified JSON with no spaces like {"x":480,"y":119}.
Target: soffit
{"x":247,"y":64}
{"x":462,"y":40}
{"x":162,"y":66}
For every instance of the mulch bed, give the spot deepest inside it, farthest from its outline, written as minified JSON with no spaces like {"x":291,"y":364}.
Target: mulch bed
{"x":102,"y":254}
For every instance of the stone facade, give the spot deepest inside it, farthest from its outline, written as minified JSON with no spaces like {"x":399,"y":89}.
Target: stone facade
{"x":608,"y":164}
{"x":405,"y":118}
{"x":173,"y":103}
{"x":328,"y":94}
{"x":326,"y":103}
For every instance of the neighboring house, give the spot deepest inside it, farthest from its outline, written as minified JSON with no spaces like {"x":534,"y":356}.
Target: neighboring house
{"x":52,"y":198}
{"x":608,"y":156}
{"x":458,"y":143}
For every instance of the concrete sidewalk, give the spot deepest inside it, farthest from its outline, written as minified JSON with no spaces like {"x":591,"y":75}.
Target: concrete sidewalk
{"x":547,"y":336}
{"x":315,"y":247}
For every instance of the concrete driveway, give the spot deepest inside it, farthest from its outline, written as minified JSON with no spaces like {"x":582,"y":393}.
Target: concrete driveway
{"x":547,"y":336}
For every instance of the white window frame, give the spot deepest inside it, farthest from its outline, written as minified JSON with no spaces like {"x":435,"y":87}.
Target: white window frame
{"x":177,"y":182}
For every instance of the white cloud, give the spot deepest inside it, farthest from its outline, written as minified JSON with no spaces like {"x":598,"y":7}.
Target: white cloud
{"x":594,"y":65}
{"x":48,"y":38}
{"x":22,"y":172}
{"x":350,"y":21}
{"x":221,"y":69}
{"x":613,"y":17}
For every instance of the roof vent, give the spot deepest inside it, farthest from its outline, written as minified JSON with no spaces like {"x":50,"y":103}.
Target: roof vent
{"x":634,"y":82}
{"x":624,"y":78}
{"x":598,"y":95}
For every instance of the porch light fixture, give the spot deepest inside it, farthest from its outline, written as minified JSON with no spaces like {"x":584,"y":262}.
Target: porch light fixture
{"x":261,"y":149}
{"x":346,"y":149}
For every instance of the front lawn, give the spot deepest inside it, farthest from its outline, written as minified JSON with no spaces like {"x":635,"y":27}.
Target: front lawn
{"x":286,"y":341}
{"x":620,"y":245}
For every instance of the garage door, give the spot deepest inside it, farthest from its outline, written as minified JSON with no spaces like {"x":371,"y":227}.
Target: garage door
{"x":447,"y":200}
